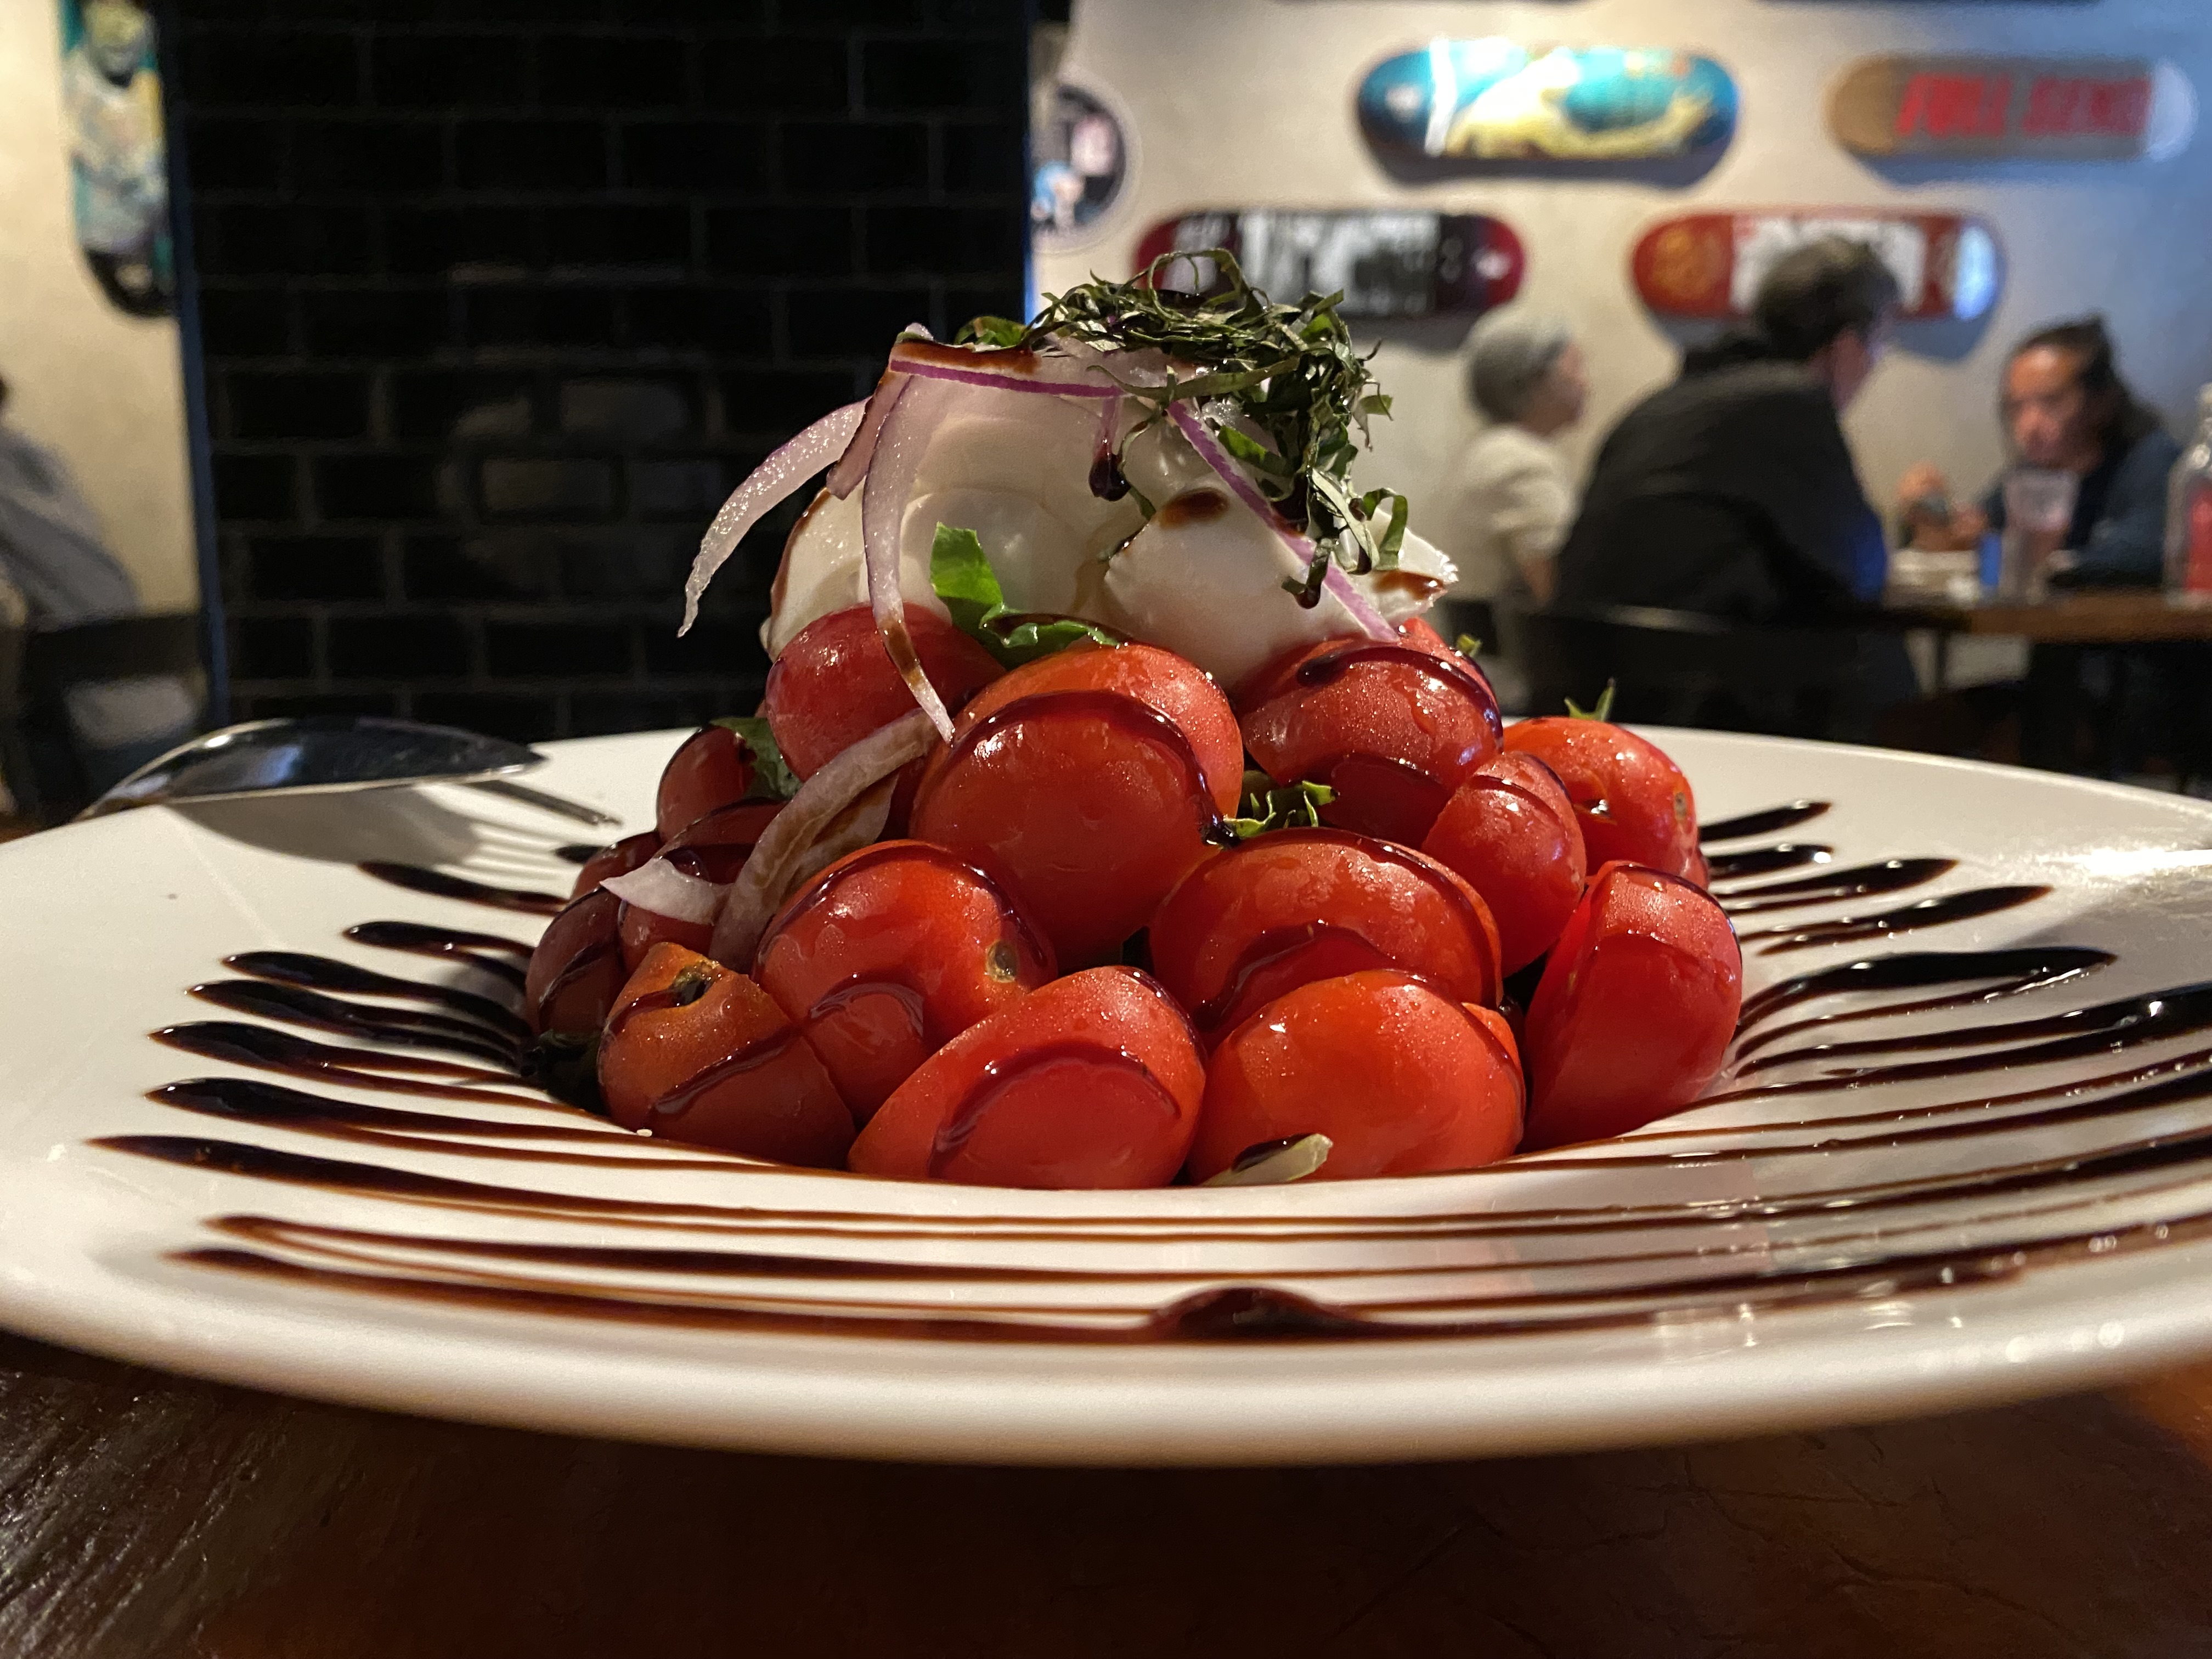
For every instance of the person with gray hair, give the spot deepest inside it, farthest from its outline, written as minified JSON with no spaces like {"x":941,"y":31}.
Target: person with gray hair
{"x":1509,"y":499}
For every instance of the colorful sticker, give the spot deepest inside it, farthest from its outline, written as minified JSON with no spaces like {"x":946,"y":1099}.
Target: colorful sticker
{"x":1385,"y":262}
{"x":118,"y":163}
{"x":1079,"y":163}
{"x":1710,"y":264}
{"x":2086,"y":109}
{"x":1495,"y":100}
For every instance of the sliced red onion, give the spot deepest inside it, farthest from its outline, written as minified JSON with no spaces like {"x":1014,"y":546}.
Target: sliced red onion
{"x":1214,"y":454}
{"x":1372,"y":623}
{"x":905,"y":438}
{"x":852,"y":466}
{"x":1004,"y":370}
{"x":806,"y":820}
{"x":861,"y":824}
{"x":659,"y":887}
{"x":767,"y":483}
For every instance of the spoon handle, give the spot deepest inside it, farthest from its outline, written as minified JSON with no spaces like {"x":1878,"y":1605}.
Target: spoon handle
{"x":530,"y":797}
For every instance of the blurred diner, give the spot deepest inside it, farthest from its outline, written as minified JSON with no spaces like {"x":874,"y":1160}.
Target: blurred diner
{"x":1732,"y":491}
{"x":1511,"y":495}
{"x":2065,"y":409}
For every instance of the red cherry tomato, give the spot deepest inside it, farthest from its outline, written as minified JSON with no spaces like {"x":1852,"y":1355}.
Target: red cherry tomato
{"x":695,"y":1052}
{"x":711,"y":768}
{"x":1520,"y":851}
{"x":1393,"y":728}
{"x":1405,"y":1081}
{"x":712,"y":847}
{"x":619,"y":858}
{"x":576,"y":969}
{"x":891,"y":951}
{"x":1537,"y":779}
{"x":1093,"y":1080}
{"x":1297,"y":905}
{"x":1416,"y":631}
{"x":1085,"y":783}
{"x":1633,"y":804}
{"x":834,"y":684}
{"x":1635,"y":1008}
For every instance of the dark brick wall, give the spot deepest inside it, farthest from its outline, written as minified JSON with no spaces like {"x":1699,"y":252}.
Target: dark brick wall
{"x":498,"y":299}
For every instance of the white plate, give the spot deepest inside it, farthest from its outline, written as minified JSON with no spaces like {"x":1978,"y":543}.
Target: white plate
{"x":1793,"y":1259}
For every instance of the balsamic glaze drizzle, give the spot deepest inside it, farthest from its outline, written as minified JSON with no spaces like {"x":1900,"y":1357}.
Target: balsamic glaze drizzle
{"x":464,"y":1048}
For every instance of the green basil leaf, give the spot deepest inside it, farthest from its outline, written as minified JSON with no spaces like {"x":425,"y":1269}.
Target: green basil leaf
{"x":960,"y":572}
{"x":773,"y":778}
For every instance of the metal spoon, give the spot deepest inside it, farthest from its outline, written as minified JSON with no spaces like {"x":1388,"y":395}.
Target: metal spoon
{"x":320,"y":753}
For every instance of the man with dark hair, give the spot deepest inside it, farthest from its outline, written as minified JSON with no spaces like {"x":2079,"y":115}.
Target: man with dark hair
{"x":1732,"y":491}
{"x":2066,"y":408}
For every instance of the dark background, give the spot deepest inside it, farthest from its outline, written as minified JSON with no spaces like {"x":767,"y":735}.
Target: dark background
{"x":496,"y":302}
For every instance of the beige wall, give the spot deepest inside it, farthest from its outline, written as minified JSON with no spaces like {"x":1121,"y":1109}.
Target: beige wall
{"x":1247,"y":103}
{"x":105,"y":389}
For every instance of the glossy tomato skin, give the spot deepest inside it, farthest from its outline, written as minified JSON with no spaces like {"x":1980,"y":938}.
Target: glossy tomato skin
{"x":1393,"y":728}
{"x":889,"y":952}
{"x":1521,"y":851}
{"x":619,"y":858}
{"x":712,"y":847}
{"x":1292,"y":906}
{"x":834,"y":684}
{"x":576,"y":969}
{"x":1632,"y":803}
{"x":695,"y":1051}
{"x":713,"y":768}
{"x":1093,"y":1080}
{"x":1085,"y":783}
{"x":1402,"y":1078}
{"x":1634,"y":1011}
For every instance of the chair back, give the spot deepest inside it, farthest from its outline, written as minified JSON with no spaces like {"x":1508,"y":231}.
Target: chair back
{"x":1680,"y":668}
{"x":51,"y":771}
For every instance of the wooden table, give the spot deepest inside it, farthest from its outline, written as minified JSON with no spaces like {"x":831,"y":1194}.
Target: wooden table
{"x":2129,"y":617}
{"x":2068,"y":623}
{"x":141,"y":1516}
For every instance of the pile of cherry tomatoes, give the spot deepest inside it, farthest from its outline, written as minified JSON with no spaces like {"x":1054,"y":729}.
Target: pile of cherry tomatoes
{"x":1064,"y":967}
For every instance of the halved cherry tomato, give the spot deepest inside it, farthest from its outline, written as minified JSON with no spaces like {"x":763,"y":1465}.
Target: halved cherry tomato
{"x":1297,"y":905}
{"x":1393,"y":728}
{"x":1404,"y":1080}
{"x":1635,"y":1009}
{"x":713,"y":768}
{"x":1093,"y":1080}
{"x":619,"y":858}
{"x":834,"y":684}
{"x":1086,"y":782}
{"x":1633,"y":804}
{"x":891,"y":951}
{"x":1519,"y":850}
{"x":576,"y":969}
{"x":712,"y":847}
{"x":696,"y":1052}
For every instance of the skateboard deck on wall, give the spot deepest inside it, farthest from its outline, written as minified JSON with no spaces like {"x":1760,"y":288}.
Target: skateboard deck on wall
{"x":2082,"y":109}
{"x":1496,"y":100}
{"x":1710,"y":265}
{"x":1388,"y":263}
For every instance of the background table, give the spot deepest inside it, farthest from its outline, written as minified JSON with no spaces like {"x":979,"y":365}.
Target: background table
{"x":2142,"y":630}
{"x":142,"y":1515}
{"x":2132,"y":617}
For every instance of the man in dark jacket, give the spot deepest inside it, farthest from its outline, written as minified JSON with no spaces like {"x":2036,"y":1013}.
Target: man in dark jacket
{"x":1732,"y":491}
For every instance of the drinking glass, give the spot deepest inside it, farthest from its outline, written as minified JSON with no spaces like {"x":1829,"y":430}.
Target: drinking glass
{"x":2038,"y":509}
